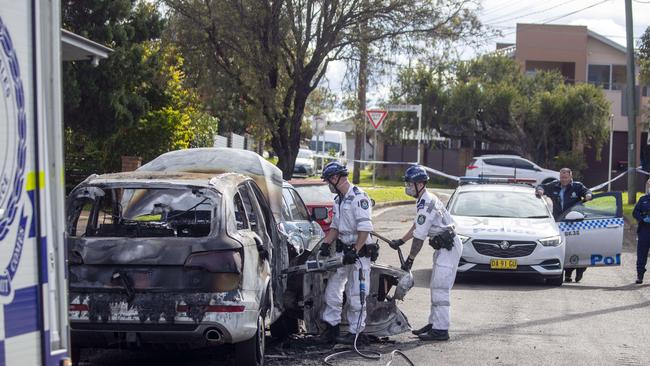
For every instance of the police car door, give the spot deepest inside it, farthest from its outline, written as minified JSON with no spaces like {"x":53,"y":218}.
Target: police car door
{"x":593,"y":232}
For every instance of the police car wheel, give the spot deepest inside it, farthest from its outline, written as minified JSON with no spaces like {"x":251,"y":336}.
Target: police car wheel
{"x":555,"y":281}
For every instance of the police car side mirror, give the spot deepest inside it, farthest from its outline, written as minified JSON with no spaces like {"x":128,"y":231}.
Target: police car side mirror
{"x":574,"y":216}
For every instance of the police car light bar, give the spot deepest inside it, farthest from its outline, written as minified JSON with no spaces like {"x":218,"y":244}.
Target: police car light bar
{"x":485,"y":180}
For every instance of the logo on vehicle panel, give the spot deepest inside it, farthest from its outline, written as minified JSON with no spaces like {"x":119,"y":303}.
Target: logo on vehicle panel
{"x":504,"y":245}
{"x":421,"y":219}
{"x":13,"y":135}
{"x":364,"y":204}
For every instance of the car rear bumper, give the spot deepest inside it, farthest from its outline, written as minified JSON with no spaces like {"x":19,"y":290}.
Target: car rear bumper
{"x":238,"y":328}
{"x":110,"y":320}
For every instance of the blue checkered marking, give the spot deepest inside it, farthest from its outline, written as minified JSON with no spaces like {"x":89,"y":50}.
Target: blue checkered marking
{"x":589,"y":224}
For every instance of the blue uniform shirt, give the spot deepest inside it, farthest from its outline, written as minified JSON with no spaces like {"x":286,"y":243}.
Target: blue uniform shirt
{"x":642,"y":209}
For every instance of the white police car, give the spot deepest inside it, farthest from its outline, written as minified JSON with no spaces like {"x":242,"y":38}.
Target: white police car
{"x":507,"y":229}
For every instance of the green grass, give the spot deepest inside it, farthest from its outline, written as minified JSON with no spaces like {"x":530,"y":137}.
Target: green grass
{"x":387,"y":194}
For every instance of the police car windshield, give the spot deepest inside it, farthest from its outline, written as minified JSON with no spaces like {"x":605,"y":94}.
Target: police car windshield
{"x":521,"y":205}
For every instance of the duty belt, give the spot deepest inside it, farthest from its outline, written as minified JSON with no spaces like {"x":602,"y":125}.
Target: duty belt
{"x":368,"y":250}
{"x":443,"y":239}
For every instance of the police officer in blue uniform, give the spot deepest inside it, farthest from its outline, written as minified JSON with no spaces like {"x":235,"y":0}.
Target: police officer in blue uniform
{"x":565,"y":193}
{"x":642,"y":214}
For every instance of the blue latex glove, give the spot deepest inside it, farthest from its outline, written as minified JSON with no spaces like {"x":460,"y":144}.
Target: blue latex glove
{"x":646,"y":219}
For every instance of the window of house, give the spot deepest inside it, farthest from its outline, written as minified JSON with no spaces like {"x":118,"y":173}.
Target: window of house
{"x":619,"y":77}
{"x":599,"y":75}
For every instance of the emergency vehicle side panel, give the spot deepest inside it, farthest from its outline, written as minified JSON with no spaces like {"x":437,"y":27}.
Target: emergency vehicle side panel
{"x":30,"y":156}
{"x":596,"y":240}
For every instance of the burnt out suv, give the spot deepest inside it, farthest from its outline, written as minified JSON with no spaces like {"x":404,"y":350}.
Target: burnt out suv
{"x":182,"y":258}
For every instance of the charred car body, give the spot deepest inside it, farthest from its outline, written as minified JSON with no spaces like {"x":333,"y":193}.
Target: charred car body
{"x":193,"y":250}
{"x":163,"y":257}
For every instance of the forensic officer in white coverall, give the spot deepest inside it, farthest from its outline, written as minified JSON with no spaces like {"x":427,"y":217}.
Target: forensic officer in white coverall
{"x":432,"y":220}
{"x":349,"y":237}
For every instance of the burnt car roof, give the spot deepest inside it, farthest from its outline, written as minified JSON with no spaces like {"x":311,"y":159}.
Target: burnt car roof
{"x":180,"y":178}
{"x":305,"y":182}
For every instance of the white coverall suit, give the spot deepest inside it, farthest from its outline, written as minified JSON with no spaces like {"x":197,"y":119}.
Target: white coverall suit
{"x":432,"y":218}
{"x":352,"y":214}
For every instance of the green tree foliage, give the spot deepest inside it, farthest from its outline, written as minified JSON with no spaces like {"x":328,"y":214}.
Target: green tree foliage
{"x":644,"y":69}
{"x":179,"y":124}
{"x":140,"y":90}
{"x":644,"y":57}
{"x":271,"y":55}
{"x":490,"y":100}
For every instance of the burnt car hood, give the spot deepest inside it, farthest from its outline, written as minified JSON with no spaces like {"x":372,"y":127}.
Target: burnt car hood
{"x":145,"y":251}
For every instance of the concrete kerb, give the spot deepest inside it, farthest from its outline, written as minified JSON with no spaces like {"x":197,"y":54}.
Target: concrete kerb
{"x":381,"y":205}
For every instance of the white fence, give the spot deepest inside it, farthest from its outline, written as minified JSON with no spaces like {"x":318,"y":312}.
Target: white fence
{"x":236,"y":141}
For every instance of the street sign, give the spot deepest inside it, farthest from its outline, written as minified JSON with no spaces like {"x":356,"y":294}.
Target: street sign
{"x":376,"y":117}
{"x":403,"y":107}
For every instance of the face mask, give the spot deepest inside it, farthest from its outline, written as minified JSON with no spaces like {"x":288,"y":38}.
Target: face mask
{"x":410,"y":190}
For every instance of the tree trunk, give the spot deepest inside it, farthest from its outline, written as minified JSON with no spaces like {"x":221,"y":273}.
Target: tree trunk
{"x":360,"y":125}
{"x":287,"y":150}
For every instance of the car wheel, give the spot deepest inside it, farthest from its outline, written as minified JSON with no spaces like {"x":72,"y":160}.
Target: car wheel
{"x":284,"y":326}
{"x":251,"y":352}
{"x":555,"y":281}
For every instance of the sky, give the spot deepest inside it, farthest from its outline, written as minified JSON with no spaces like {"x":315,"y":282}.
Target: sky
{"x":606,"y":17}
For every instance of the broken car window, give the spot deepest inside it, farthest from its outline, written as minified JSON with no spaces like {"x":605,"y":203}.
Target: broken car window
{"x":240,"y":213}
{"x":147,"y":212}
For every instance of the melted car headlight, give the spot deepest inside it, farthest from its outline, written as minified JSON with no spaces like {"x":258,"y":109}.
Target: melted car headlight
{"x":552,"y":241}
{"x":463,"y":238}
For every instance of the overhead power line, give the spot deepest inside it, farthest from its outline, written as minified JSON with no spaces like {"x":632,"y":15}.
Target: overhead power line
{"x":503,"y":20}
{"x":564,"y":15}
{"x":507,"y":17}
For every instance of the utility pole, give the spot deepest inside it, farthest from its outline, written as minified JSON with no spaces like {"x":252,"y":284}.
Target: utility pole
{"x":362,"y":85}
{"x":631,"y":110}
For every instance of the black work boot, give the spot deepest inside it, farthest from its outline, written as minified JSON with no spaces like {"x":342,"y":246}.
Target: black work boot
{"x":422,"y":330}
{"x":567,"y":278}
{"x":579,"y":274}
{"x":329,"y":335}
{"x":435,"y":335}
{"x":639,"y":279}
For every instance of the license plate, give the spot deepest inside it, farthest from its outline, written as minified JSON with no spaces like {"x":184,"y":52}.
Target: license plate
{"x":503,"y":264}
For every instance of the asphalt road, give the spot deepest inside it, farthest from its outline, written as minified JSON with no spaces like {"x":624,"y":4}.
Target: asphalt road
{"x":605,"y":320}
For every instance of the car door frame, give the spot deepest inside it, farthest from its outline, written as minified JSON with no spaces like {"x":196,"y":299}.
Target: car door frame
{"x":588,"y":241}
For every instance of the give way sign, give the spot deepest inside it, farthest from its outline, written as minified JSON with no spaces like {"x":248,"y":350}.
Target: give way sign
{"x":376,"y":117}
